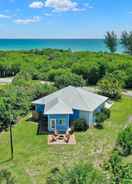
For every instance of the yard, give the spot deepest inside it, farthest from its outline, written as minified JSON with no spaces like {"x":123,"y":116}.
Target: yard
{"x":33,"y":158}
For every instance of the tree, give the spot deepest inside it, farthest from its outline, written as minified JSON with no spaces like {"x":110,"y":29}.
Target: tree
{"x":109,"y":86}
{"x":69,"y":79}
{"x":111,"y":41}
{"x":126,"y":41}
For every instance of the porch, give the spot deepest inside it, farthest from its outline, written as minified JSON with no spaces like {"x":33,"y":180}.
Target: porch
{"x":50,"y":123}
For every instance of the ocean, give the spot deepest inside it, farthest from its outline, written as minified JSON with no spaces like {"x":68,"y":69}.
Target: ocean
{"x":73,"y":44}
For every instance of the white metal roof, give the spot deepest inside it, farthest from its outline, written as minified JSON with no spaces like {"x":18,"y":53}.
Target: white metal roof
{"x":66,"y":99}
{"x":59,"y":106}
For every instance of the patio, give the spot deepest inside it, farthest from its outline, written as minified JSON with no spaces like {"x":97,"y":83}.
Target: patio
{"x":61,"y":139}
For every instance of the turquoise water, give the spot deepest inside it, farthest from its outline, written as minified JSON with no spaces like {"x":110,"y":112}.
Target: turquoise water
{"x":73,"y":44}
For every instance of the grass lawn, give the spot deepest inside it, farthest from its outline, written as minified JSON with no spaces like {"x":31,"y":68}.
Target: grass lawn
{"x":33,"y":158}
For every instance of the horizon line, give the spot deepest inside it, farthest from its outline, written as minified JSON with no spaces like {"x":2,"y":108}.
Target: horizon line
{"x":51,"y":38}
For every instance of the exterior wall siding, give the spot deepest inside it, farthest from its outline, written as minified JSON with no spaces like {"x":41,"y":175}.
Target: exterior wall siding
{"x":39,"y":108}
{"x":88,"y":117}
{"x":84,"y":115}
{"x":74,"y":116}
{"x":59,"y":126}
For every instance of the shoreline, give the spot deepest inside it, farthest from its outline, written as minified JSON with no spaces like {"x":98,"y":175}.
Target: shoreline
{"x":91,"y":45}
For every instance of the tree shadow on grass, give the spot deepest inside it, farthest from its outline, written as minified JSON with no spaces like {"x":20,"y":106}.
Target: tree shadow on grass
{"x":30,"y":120}
{"x":5,"y":161}
{"x":100,"y":127}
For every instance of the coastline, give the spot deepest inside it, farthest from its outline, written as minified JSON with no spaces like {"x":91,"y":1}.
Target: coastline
{"x":88,"y":44}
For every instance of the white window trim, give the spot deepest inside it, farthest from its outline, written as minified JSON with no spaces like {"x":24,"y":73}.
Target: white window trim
{"x":51,"y":122}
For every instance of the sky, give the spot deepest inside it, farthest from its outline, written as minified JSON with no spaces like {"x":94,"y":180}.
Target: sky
{"x":64,"y":18}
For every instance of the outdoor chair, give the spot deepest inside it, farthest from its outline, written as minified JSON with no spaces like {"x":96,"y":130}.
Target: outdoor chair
{"x":53,"y":138}
{"x":66,"y":137}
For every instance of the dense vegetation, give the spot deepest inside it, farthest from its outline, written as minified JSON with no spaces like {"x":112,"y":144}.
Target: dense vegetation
{"x":121,"y":173}
{"x":15,"y":99}
{"x":124,"y":141}
{"x":64,"y":67}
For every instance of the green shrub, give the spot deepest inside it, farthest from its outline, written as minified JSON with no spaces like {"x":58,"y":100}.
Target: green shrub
{"x":80,"y":125}
{"x":78,"y":174}
{"x":127,"y":171}
{"x":109,"y":86}
{"x":120,"y":173}
{"x":21,"y":76}
{"x":6,"y":177}
{"x":102,"y":116}
{"x":115,"y":168}
{"x":124,"y":141}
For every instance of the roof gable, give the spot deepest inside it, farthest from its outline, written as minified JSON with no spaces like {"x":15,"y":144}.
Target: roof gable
{"x":57,"y":106}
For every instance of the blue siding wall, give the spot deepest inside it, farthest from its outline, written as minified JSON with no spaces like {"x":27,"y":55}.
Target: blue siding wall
{"x":59,"y":126}
{"x":74,"y":116}
{"x":39,"y":108}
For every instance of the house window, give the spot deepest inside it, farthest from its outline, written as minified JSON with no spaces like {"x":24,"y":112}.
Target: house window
{"x":62,"y":122}
{"x":53,"y":123}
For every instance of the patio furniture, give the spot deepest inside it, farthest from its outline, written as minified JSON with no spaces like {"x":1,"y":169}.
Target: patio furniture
{"x":67,"y":137}
{"x":61,"y":137}
{"x":53,"y":138}
{"x":56,"y":133}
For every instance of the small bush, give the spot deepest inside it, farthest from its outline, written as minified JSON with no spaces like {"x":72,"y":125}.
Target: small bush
{"x":6,"y":177}
{"x":80,"y":125}
{"x":114,"y":165}
{"x":102,"y":116}
{"x":121,"y":173}
{"x":124,"y":141}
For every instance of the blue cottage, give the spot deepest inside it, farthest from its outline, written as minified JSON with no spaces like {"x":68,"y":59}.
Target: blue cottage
{"x":68,"y":104}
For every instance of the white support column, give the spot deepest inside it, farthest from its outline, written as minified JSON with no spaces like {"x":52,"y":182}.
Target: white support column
{"x":91,"y":119}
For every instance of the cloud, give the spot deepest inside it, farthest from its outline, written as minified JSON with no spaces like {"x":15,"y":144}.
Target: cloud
{"x":62,"y":5}
{"x":36,"y":5}
{"x":48,"y":14}
{"x":130,"y":12}
{"x":12,"y":1}
{"x":3,"y":16}
{"x":28,"y":21}
{"x":87,"y":5}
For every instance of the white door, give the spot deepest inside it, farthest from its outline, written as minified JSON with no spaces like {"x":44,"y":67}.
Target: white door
{"x":53,"y":124}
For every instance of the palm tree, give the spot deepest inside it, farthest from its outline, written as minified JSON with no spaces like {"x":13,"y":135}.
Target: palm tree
{"x":111,"y":41}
